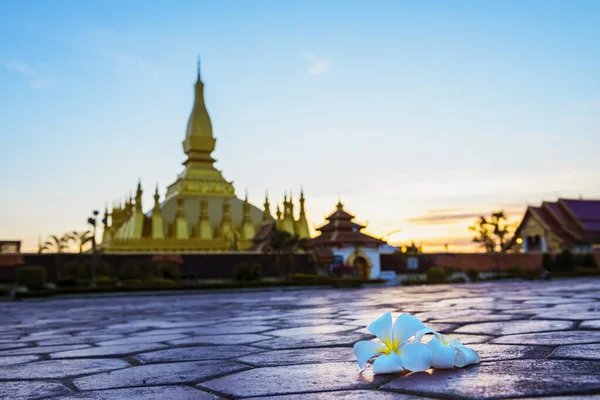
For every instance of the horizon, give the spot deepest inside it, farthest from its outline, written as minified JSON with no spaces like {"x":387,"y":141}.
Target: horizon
{"x":418,"y":116}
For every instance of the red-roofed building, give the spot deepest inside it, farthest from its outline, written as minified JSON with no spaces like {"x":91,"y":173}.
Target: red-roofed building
{"x":554,"y":226}
{"x":344,"y":239}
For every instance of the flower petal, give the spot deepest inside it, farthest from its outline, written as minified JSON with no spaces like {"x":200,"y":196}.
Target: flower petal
{"x":405,"y":326}
{"x":387,"y":364}
{"x":443,"y":355}
{"x":365,"y":350}
{"x":382,"y":328}
{"x":464,"y":355}
{"x":415,"y":357}
{"x":419,"y":335}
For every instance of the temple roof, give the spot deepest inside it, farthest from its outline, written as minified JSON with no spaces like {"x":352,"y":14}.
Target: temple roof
{"x":572,"y":221}
{"x":341,"y":230}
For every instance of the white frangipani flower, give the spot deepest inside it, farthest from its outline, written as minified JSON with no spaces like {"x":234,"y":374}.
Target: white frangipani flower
{"x":394,"y":353}
{"x":448,"y":354}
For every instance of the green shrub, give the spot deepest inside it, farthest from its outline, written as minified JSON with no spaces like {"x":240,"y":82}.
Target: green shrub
{"x":132,"y":282}
{"x":105,"y":281}
{"x":66,"y":282}
{"x":32,"y":277}
{"x":514,"y":271}
{"x":548,"y":262}
{"x":306,"y":276}
{"x":169,"y":270}
{"x":161,"y":281}
{"x":129,"y":270}
{"x":473,"y":275}
{"x":564,"y":261}
{"x":247,"y":271}
{"x":436,"y":275}
{"x":459,"y":279}
{"x":588,"y":261}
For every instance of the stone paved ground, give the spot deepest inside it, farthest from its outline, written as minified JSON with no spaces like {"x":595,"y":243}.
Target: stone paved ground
{"x":535,"y":339}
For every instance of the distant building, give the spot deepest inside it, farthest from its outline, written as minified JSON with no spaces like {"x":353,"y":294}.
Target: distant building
{"x":349,"y":245}
{"x":554,"y":226}
{"x":10,"y":246}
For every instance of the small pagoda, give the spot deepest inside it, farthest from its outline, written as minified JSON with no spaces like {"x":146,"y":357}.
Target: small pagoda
{"x":343,"y":237}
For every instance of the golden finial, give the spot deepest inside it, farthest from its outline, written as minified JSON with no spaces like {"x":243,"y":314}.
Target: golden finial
{"x":198,"y":66}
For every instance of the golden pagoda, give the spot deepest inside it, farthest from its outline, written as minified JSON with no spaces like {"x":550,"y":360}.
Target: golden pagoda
{"x":200,"y":211}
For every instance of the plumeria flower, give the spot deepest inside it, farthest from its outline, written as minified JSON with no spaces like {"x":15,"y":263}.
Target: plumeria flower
{"x":394,"y":353}
{"x":448,"y":354}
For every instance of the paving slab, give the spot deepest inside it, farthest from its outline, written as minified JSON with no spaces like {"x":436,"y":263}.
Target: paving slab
{"x":141,"y":393}
{"x":27,"y":390}
{"x":295,"y":379}
{"x":578,"y":352}
{"x":514,"y":327}
{"x":59,"y":368}
{"x":505,"y":379}
{"x":157,"y":374}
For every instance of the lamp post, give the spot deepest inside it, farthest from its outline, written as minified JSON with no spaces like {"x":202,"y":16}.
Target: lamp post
{"x":92,"y":222}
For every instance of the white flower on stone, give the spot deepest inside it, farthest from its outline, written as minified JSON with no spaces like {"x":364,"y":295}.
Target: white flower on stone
{"x":394,"y":353}
{"x":448,"y":354}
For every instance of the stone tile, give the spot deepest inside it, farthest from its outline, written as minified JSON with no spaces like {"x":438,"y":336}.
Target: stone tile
{"x":157,"y":374}
{"x":514,"y":327}
{"x":551,"y":338}
{"x":582,"y":352}
{"x":150,"y":393}
{"x":12,"y":345}
{"x":220,"y":339}
{"x":142,"y":339}
{"x":504,"y":379}
{"x":344,"y":394}
{"x":12,"y":360}
{"x":42,"y":350}
{"x":567,"y":315}
{"x":469,"y":339}
{"x":106,"y":351}
{"x":305,"y":341}
{"x":300,"y":356}
{"x":77,"y":340}
{"x":294,"y":379}
{"x":500,"y":352}
{"x":30,"y":390}
{"x":593,"y":324}
{"x":59,"y":368}
{"x":311,"y":330}
{"x":229,"y":329}
{"x":196,"y":353}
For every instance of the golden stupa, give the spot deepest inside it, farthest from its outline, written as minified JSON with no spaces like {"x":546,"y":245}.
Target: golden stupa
{"x":200,"y":211}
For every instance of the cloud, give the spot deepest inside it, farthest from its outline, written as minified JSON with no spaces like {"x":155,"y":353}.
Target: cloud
{"x":452,"y":216}
{"x":36,"y":79}
{"x":433,"y":219}
{"x":317,"y":65}
{"x":121,"y":49}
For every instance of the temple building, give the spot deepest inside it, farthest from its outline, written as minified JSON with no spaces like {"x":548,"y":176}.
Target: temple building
{"x":555,"y":226}
{"x":343,"y":237}
{"x":200,"y":211}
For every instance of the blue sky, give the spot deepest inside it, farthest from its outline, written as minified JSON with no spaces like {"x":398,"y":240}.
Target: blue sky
{"x":419,"y":114}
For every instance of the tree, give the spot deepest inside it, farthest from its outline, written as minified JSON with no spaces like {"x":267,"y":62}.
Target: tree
{"x":82,"y":238}
{"x":483,"y":234}
{"x":284,"y":244}
{"x":501,"y":228}
{"x":57,"y":245}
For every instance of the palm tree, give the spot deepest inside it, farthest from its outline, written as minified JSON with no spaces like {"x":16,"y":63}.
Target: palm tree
{"x":82,"y":238}
{"x":283,"y":243}
{"x":58,"y":246}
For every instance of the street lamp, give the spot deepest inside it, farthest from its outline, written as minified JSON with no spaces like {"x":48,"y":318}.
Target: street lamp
{"x":92,"y":222}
